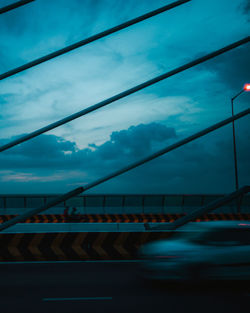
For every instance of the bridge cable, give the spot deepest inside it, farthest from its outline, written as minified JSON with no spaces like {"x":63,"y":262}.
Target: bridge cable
{"x":90,"y":39}
{"x":122,"y":94}
{"x":15,"y":5}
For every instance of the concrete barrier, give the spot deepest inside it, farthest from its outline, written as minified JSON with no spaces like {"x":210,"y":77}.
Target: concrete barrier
{"x":123,"y":218}
{"x":74,"y":245}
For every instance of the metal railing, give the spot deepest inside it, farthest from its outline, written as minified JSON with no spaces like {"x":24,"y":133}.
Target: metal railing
{"x":105,"y":201}
{"x":120,"y":204}
{"x":197,"y":213}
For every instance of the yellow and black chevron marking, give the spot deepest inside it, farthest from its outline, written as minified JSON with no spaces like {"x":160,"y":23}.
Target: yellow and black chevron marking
{"x":73,"y":246}
{"x":124,"y":218}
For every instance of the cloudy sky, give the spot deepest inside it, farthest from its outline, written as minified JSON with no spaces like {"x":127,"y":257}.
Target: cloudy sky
{"x":129,"y":129}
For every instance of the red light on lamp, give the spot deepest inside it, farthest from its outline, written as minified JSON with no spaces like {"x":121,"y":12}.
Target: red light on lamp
{"x":246,"y":87}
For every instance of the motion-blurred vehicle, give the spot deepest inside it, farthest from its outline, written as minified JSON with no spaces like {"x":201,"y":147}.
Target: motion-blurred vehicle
{"x":200,"y":251}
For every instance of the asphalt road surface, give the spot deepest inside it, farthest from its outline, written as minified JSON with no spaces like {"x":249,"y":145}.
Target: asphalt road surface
{"x":88,"y":287}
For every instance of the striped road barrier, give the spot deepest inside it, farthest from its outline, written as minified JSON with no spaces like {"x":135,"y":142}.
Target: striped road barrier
{"x":74,"y":246}
{"x":125,"y":218}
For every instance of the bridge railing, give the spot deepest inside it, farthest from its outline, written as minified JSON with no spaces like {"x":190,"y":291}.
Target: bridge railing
{"x":211,"y":207}
{"x":120,"y":203}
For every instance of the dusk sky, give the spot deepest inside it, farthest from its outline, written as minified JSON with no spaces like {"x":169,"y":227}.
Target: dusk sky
{"x":129,"y":129}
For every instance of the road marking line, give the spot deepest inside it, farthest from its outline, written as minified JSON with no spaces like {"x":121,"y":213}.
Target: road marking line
{"x":77,"y":299}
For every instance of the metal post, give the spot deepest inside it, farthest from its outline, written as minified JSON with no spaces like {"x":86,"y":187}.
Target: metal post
{"x":143,"y":200}
{"x":163,"y":203}
{"x":235,"y":153}
{"x":104,"y":204}
{"x":123,"y":202}
{"x":84,"y":205}
{"x":123,"y":94}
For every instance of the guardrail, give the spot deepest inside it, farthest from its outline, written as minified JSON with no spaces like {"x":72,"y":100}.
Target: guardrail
{"x":204,"y":210}
{"x":118,"y":204}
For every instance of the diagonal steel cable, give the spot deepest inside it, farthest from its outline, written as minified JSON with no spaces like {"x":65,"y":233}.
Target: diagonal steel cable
{"x":91,"y":39}
{"x":122,"y":95}
{"x":14,"y":5}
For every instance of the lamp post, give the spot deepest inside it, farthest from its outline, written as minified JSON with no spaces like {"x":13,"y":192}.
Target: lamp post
{"x":245,"y":88}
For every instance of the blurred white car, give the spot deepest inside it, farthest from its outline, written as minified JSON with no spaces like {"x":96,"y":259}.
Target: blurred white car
{"x":200,"y":251}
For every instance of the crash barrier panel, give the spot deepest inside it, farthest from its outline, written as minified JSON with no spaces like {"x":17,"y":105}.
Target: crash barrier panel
{"x":74,"y":246}
{"x":119,"y":204}
{"x":125,"y":218}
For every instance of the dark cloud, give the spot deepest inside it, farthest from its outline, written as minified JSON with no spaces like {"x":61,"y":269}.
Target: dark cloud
{"x":44,"y":26}
{"x":246,"y":9}
{"x":202,"y":166}
{"x":44,"y":146}
{"x":135,"y":141}
{"x":232,"y":68}
{"x":53,"y":151}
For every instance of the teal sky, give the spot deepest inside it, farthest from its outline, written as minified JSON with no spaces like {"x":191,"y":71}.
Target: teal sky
{"x":134,"y":127}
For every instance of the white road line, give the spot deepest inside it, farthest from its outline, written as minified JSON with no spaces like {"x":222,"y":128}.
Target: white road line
{"x":77,"y":299}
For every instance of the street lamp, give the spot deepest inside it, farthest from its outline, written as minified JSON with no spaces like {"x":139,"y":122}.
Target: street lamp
{"x":245,"y":88}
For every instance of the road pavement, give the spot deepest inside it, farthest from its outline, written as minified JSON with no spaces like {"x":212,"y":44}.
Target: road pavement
{"x":108,"y":286}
